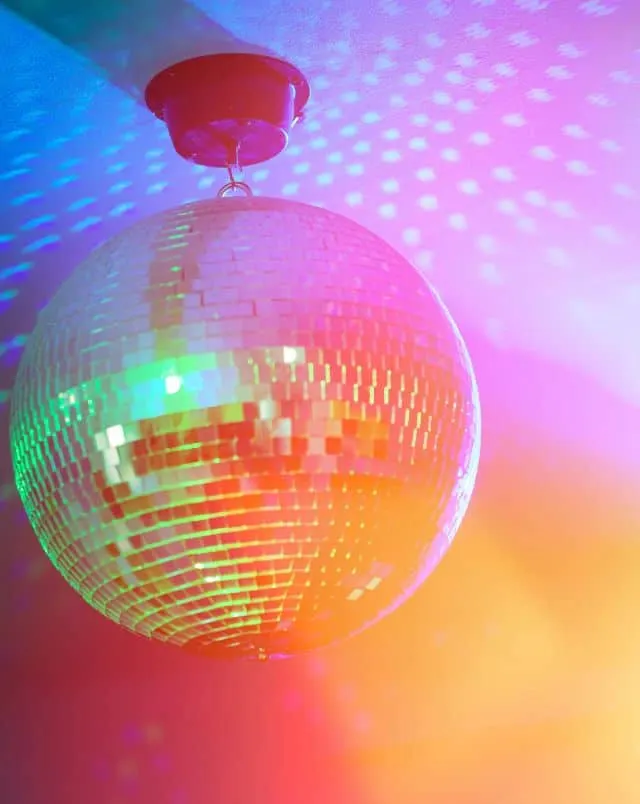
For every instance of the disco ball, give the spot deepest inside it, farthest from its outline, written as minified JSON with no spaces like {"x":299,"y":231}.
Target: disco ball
{"x":245,"y":426}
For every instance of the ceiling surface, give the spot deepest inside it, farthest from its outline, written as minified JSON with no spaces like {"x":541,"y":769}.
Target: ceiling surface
{"x":496,"y":144}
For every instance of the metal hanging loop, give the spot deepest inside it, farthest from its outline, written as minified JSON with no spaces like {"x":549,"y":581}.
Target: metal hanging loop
{"x":234,"y":188}
{"x":236,"y":185}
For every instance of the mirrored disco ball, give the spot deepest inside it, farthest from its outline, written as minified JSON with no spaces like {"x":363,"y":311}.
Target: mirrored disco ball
{"x":245,"y":426}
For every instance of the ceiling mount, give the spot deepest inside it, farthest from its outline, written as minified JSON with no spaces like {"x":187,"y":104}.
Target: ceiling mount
{"x":230,"y":108}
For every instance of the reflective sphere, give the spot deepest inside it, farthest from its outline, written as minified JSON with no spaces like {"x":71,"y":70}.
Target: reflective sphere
{"x":245,"y":426}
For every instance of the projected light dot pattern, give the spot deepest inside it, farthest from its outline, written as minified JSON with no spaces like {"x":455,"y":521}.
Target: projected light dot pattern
{"x":245,"y":426}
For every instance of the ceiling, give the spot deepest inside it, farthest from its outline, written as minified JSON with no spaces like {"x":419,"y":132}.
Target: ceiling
{"x":495,"y":143}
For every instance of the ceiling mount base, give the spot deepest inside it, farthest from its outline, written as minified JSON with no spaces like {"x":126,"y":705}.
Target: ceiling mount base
{"x":230,"y":108}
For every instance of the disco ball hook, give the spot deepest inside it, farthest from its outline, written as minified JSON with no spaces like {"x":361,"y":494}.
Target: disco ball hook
{"x":236,"y":184}
{"x":232,"y":188}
